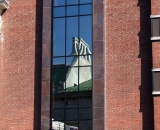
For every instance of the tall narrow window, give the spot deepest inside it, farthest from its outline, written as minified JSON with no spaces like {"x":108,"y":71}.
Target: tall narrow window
{"x":72,"y":65}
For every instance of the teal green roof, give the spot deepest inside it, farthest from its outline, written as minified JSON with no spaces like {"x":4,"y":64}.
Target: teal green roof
{"x":85,"y":86}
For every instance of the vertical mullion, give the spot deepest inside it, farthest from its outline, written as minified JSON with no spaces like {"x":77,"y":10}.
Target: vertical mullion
{"x":78,"y":54}
{"x":65,"y":62}
{"x":51,"y":93}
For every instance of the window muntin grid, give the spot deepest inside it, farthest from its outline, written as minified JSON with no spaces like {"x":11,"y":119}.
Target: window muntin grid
{"x":72,"y":68}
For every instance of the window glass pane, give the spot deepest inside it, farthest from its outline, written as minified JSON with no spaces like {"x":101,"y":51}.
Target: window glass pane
{"x":85,"y":1}
{"x":72,"y":61}
{"x":155,"y":27}
{"x":72,"y":79}
{"x":85,"y":60}
{"x":58,"y":115}
{"x":58,"y":78}
{"x":71,"y":125}
{"x":85,"y":114}
{"x":59,"y":11}
{"x":85,"y":99}
{"x":156,"y":81}
{"x":72,"y":10}
{"x":86,"y":30}
{"x":59,"y":37}
{"x":86,"y":9}
{"x":59,"y":2}
{"x":85,"y":125}
{"x":71,"y":35}
{"x":72,"y":100}
{"x":59,"y":61}
{"x":85,"y":76}
{"x":70,"y":2}
{"x":71,"y":114}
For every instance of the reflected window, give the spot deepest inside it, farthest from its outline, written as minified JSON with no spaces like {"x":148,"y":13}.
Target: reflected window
{"x":71,"y":87}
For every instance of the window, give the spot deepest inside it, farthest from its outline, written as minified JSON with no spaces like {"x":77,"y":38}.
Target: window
{"x":156,"y":81}
{"x":155,"y":27}
{"x":71,"y":102}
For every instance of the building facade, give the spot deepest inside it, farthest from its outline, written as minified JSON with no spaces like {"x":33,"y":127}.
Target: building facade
{"x":123,"y":89}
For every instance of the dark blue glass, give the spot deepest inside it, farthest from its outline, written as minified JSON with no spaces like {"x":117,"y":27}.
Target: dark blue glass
{"x":85,"y":1}
{"x":71,"y":2}
{"x":59,"y":37}
{"x":71,"y":33}
{"x":86,"y":9}
{"x":59,"y":61}
{"x":59,"y":2}
{"x":59,"y":11}
{"x":86,"y":30}
{"x":72,"y":10}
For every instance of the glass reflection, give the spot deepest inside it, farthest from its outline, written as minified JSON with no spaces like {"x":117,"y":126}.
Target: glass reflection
{"x":59,"y":2}
{"x":85,"y":114}
{"x":71,"y":114}
{"x":85,"y":125}
{"x":85,"y":9}
{"x":71,"y":33}
{"x":72,"y":61}
{"x":85,"y":1}
{"x":86,"y":30}
{"x":59,"y":61}
{"x":72,"y":10}
{"x":59,"y":37}
{"x":59,"y":11}
{"x":70,"y":2}
{"x":58,"y":114}
{"x":72,"y":66}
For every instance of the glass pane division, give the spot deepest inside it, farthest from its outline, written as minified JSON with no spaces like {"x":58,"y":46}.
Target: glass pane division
{"x":71,"y":2}
{"x":59,"y":2}
{"x":85,"y":1}
{"x":59,"y":37}
{"x":59,"y":11}
{"x":85,"y":125}
{"x":71,"y":114}
{"x":86,"y":31}
{"x":72,"y":10}
{"x":86,"y":9}
{"x":71,"y":35}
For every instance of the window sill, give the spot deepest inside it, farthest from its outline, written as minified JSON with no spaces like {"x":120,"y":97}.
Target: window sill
{"x":155,"y":92}
{"x":155,"y":38}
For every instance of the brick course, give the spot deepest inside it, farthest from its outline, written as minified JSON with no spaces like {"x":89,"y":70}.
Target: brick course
{"x":20,"y":60}
{"x":129,"y":103}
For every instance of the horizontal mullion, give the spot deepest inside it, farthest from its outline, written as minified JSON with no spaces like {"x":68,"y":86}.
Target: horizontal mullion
{"x":71,"y":56}
{"x":72,"y":16}
{"x":57,"y":108}
{"x":75,"y":120}
{"x":72,"y":5}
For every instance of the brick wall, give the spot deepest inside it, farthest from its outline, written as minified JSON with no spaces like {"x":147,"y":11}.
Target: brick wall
{"x":129,"y":103}
{"x":20,"y":63}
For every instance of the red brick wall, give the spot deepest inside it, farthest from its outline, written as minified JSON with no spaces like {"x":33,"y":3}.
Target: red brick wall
{"x":20,"y":61}
{"x":129,"y":103}
{"x":155,"y":7}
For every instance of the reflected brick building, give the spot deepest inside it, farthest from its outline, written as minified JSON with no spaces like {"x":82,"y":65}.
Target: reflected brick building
{"x":125,"y":54}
